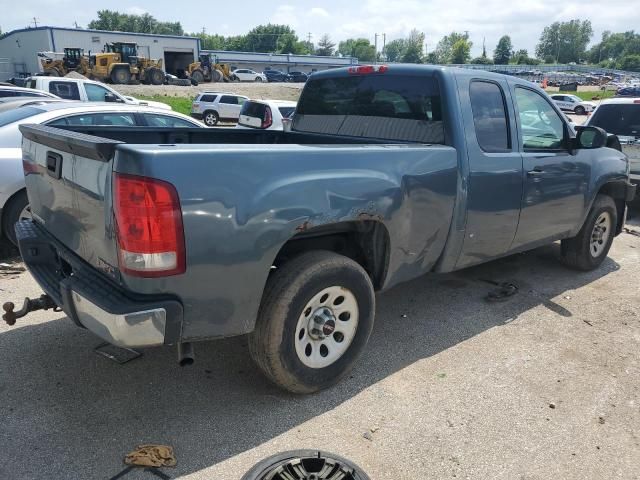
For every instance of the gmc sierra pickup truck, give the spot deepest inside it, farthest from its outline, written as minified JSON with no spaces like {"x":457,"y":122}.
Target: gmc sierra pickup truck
{"x":147,"y":237}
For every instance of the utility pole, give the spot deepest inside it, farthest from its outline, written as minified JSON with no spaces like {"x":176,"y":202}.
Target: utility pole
{"x":204,"y":31}
{"x":309,"y":37}
{"x":35,"y":22}
{"x":376,"y":47}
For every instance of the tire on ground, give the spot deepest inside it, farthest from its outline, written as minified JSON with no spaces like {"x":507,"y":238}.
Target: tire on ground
{"x":11,"y":214}
{"x":273,"y":342}
{"x":577,"y":251}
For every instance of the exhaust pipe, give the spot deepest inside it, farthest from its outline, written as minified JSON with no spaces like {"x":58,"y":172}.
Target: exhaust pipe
{"x":185,"y":354}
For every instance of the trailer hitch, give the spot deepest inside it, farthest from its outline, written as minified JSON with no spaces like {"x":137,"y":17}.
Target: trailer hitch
{"x":43,"y":302}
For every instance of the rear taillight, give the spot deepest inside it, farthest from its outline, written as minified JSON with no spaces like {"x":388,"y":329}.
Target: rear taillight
{"x":149,"y":226}
{"x":366,"y":69}
{"x":267,"y":119}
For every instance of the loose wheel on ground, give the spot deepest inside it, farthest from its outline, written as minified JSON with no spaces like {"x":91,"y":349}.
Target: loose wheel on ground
{"x":210,"y":118}
{"x":120,"y":76}
{"x":15,"y":210}
{"x":315,"y":319}
{"x":588,"y":249}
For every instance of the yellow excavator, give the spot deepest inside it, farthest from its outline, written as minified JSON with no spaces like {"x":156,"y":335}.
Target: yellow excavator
{"x":74,"y":60}
{"x":207,"y":69}
{"x":119,"y":63}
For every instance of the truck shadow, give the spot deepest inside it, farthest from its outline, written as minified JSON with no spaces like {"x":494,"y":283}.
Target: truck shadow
{"x":71,"y":414}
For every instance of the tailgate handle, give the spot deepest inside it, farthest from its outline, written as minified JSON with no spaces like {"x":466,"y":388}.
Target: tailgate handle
{"x":54,"y":165}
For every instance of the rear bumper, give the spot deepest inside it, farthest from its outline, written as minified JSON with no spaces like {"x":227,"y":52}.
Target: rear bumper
{"x":94,"y":302}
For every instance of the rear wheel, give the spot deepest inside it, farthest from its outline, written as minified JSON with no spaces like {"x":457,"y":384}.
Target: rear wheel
{"x":198,"y":76}
{"x":210,"y":118}
{"x":579,"y":110}
{"x":155,"y":76}
{"x":588,"y":249}
{"x":120,"y":76}
{"x":216,"y":76}
{"x":15,"y":210}
{"x":315,"y":319}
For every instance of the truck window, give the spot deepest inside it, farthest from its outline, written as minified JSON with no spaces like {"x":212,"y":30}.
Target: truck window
{"x":95,"y":93}
{"x":542,"y":127}
{"x":489,"y":116}
{"x":66,"y":90}
{"x":387,"y":107}
{"x":619,"y":119}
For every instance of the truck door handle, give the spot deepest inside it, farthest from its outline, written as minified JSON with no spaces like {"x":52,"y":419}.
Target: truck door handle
{"x":536,"y":172}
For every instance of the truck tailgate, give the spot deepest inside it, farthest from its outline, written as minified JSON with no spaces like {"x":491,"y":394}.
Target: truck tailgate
{"x":68,"y":178}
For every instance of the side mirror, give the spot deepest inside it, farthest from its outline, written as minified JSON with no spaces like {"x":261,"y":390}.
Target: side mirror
{"x":590,"y":137}
{"x":111,"y":98}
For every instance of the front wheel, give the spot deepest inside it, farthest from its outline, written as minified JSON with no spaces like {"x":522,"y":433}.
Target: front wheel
{"x":588,"y":249}
{"x":120,"y":76}
{"x":580,"y":110}
{"x":198,"y":76}
{"x":314,"y":321}
{"x":258,"y":79}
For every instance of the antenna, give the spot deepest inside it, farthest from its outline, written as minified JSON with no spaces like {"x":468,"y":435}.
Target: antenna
{"x":35,"y":22}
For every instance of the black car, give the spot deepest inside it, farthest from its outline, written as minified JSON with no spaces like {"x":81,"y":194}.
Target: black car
{"x":276,"y":76}
{"x":298,"y":77}
{"x":628,"y":92}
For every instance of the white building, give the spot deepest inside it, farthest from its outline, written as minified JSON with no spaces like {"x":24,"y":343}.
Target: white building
{"x":286,"y":62}
{"x":19,"y":48}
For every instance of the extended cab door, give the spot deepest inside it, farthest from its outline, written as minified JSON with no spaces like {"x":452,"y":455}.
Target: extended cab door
{"x":555,"y":179}
{"x":495,"y":169}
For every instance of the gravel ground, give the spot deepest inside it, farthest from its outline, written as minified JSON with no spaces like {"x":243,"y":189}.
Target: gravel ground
{"x":271,"y":91}
{"x":543,"y":386}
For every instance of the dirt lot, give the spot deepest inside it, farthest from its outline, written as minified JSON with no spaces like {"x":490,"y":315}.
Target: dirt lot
{"x":543,"y":386}
{"x":272,"y":91}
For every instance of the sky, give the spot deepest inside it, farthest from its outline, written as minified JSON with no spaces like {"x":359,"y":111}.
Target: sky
{"x":485,"y":20}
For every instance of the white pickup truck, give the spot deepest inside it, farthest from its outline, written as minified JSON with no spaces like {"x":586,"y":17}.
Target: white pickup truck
{"x":86,"y":90}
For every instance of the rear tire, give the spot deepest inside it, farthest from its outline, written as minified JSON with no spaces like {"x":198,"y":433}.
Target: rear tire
{"x":579,"y":110}
{"x":210,"y":118}
{"x":155,"y":76}
{"x":315,"y":319}
{"x":588,"y":249}
{"x":15,"y":210}
{"x":216,"y":76}
{"x":120,"y":76}
{"x":198,"y":76}
{"x":258,"y":79}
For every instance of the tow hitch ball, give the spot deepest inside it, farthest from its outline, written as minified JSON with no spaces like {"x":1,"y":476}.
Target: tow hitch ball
{"x":44,"y":302}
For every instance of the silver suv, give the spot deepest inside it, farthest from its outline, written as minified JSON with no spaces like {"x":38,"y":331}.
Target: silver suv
{"x":214,"y":107}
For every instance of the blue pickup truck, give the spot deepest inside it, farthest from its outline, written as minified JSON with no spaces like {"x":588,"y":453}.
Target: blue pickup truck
{"x":147,"y":237}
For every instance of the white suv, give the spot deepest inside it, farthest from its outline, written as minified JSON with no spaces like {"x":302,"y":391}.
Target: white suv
{"x":572,"y":103}
{"x":214,"y":107}
{"x":247,"y":75}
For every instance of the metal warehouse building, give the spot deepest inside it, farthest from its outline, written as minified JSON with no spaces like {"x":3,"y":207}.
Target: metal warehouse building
{"x":287,"y":62}
{"x":19,"y":48}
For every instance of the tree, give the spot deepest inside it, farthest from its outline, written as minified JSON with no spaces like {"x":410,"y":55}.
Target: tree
{"x":271,"y":38}
{"x":325,"y":46}
{"x":413,"y":47}
{"x":124,"y":22}
{"x":566,"y":41}
{"x":630,"y":63}
{"x":461,"y":51}
{"x":444,"y":49}
{"x":394,"y":50}
{"x":614,"y":46}
{"x":502,"y":53}
{"x":360,"y":48}
{"x":482,"y":61}
{"x":431,"y":58}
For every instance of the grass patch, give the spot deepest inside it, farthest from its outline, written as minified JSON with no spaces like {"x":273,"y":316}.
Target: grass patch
{"x":178,"y":104}
{"x":590,"y":95}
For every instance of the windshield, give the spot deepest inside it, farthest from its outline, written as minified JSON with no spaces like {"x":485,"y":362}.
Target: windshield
{"x":619,"y":119}
{"x":18,"y":114}
{"x":391,"y":107}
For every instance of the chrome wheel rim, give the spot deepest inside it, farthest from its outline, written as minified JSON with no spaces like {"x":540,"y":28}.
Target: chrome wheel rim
{"x":25,"y":214}
{"x":313,"y":468}
{"x":326,"y":327}
{"x":600,"y":234}
{"x":210,"y":119}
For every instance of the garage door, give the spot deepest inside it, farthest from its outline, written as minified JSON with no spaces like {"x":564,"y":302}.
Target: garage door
{"x":176,"y":61}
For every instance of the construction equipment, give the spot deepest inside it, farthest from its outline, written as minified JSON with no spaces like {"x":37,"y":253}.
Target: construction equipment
{"x":207,"y":69}
{"x":120,"y":63}
{"x":73,"y":60}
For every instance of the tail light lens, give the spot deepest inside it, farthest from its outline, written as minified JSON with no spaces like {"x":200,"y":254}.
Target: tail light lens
{"x":149,"y":227}
{"x":367,"y":69}
{"x":267,"y":119}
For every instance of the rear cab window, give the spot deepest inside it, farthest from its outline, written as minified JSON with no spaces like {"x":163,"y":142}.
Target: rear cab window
{"x":381,"y":106}
{"x":618,"y":118}
{"x":66,"y":90}
{"x":490,"y":116}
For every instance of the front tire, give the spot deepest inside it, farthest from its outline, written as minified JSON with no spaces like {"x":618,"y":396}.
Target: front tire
{"x":259,"y":79}
{"x":210,"y":118}
{"x":120,"y":76}
{"x":315,"y":319}
{"x":15,"y":210}
{"x":155,"y":76}
{"x":198,"y":76}
{"x":580,"y":110}
{"x":588,"y":249}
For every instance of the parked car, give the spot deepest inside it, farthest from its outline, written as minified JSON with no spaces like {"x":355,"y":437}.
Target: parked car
{"x":298,"y":77}
{"x":213,"y":107}
{"x":9,"y":103}
{"x":388,"y":173}
{"x":13,"y":196}
{"x":276,"y":76}
{"x":247,"y":75}
{"x":573,"y":103}
{"x":12,"y":91}
{"x":265,"y":114}
{"x":628,"y":91}
{"x":621,"y":117}
{"x":86,"y":91}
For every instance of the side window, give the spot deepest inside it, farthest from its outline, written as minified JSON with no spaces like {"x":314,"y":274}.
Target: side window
{"x":542,"y":128}
{"x":208,"y":98}
{"x":156,"y":120}
{"x":489,"y":116}
{"x":241,"y":100}
{"x":66,"y":90}
{"x":7,"y":93}
{"x":230,"y":99}
{"x":95,"y":119}
{"x":95,"y":93}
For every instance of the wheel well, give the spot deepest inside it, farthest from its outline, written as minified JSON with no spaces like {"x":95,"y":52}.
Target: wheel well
{"x":366,"y":242}
{"x":617,"y":191}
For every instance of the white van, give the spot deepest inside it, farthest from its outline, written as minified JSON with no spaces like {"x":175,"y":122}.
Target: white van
{"x":86,"y":90}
